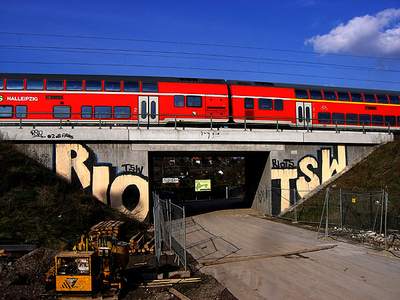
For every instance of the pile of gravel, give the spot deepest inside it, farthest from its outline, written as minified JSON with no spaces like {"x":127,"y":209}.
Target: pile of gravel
{"x":24,"y":278}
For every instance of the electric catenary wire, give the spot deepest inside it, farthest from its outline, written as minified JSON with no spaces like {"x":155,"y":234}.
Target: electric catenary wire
{"x":193,"y":55}
{"x":96,"y":37}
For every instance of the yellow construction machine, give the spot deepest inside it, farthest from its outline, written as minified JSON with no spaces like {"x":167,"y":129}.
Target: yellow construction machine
{"x":96,"y":262}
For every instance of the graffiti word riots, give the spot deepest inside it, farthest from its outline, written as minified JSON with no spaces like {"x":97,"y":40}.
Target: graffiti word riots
{"x":77,"y":159}
{"x":309,"y":173}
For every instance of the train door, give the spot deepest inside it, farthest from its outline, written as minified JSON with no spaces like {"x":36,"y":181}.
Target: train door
{"x":303,"y":113}
{"x":148,"y":109}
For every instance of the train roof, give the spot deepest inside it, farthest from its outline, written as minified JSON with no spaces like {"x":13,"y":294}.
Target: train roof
{"x":112,"y":77}
{"x":192,"y":80}
{"x":308,"y":86}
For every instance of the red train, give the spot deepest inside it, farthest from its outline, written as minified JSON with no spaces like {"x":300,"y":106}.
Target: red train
{"x":35,"y":98}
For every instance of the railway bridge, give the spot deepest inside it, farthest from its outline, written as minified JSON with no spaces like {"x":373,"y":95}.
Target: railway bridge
{"x":202,"y":168}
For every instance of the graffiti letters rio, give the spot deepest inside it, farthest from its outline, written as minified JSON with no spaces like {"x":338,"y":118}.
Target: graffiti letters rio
{"x":308,"y":174}
{"x":77,"y":163}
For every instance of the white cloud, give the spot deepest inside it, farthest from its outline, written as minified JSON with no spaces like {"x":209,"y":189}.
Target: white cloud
{"x":377,"y":35}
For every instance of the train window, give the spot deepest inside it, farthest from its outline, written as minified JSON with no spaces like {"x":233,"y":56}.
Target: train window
{"x":179,"y":101}
{"x":150,"y":87}
{"x":398,"y":120}
{"x":377,"y":120}
{"x":21,"y":111}
{"x":74,"y":85}
{"x":300,"y":114}
{"x":390,"y":120}
{"x":61,"y":112}
{"x":394,"y":99}
{"x":330,"y":95}
{"x":278,"y":104}
{"x":343,"y":96}
{"x":351,"y":119}
{"x":93,"y":85}
{"x":265,"y":104}
{"x":153,"y":109}
{"x":102,"y":112}
{"x":122,"y":112}
{"x":86,"y":112}
{"x":365,"y":119}
{"x":55,"y":85}
{"x":316,"y":94}
{"x":248,"y":103}
{"x":112,"y":86}
{"x":338,"y":118}
{"x":6,"y":111}
{"x":301,"y":94}
{"x":193,"y":101}
{"x":382,"y":98}
{"x":131,"y":86}
{"x":1,"y":83}
{"x":324,"y":118}
{"x":143,"y":109}
{"x":34,"y":84}
{"x":15,"y":84}
{"x":356,"y":97}
{"x":369,"y":98}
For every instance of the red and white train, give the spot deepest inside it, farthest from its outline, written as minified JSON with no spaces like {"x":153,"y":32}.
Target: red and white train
{"x":38,"y":98}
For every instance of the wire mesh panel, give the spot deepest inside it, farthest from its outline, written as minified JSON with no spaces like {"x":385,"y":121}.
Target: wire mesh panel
{"x":371,"y":217}
{"x":169,"y":229}
{"x":178,"y":232}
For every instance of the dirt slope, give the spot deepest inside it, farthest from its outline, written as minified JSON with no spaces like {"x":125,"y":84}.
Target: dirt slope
{"x":37,"y":206}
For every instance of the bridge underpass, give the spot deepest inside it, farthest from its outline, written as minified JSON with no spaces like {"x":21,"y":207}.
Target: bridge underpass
{"x":231,"y":178}
{"x":116,"y":164}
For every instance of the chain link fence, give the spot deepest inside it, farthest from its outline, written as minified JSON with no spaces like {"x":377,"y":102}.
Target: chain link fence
{"x":371,"y":217}
{"x":169,"y":229}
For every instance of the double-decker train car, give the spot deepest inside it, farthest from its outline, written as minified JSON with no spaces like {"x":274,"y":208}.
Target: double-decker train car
{"x":88,"y":99}
{"x":43,"y":99}
{"x":311,"y":106}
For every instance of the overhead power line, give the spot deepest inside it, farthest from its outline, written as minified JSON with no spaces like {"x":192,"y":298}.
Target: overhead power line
{"x":191,"y":68}
{"x":192,"y":55}
{"x":96,"y":37}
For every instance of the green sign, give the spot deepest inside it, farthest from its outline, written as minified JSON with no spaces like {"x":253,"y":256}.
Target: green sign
{"x":202,"y":185}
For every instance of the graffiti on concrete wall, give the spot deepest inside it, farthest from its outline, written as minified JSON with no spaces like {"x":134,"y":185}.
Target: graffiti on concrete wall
{"x":309,"y":172}
{"x":127,"y":191}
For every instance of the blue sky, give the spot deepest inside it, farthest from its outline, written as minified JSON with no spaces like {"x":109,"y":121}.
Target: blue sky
{"x":298,"y":41}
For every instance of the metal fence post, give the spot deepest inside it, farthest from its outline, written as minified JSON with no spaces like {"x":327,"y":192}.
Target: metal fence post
{"x":341,"y":208}
{"x":295,"y":208}
{"x":327,"y":215}
{"x":170,"y":224}
{"x":184,"y":237}
{"x":382,"y":203}
{"x":386,"y":208}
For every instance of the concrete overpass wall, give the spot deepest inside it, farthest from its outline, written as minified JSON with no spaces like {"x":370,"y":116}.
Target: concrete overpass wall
{"x":107,"y":170}
{"x":109,"y":161}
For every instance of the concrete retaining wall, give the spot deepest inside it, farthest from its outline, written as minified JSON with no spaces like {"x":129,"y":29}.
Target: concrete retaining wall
{"x":117,"y":173}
